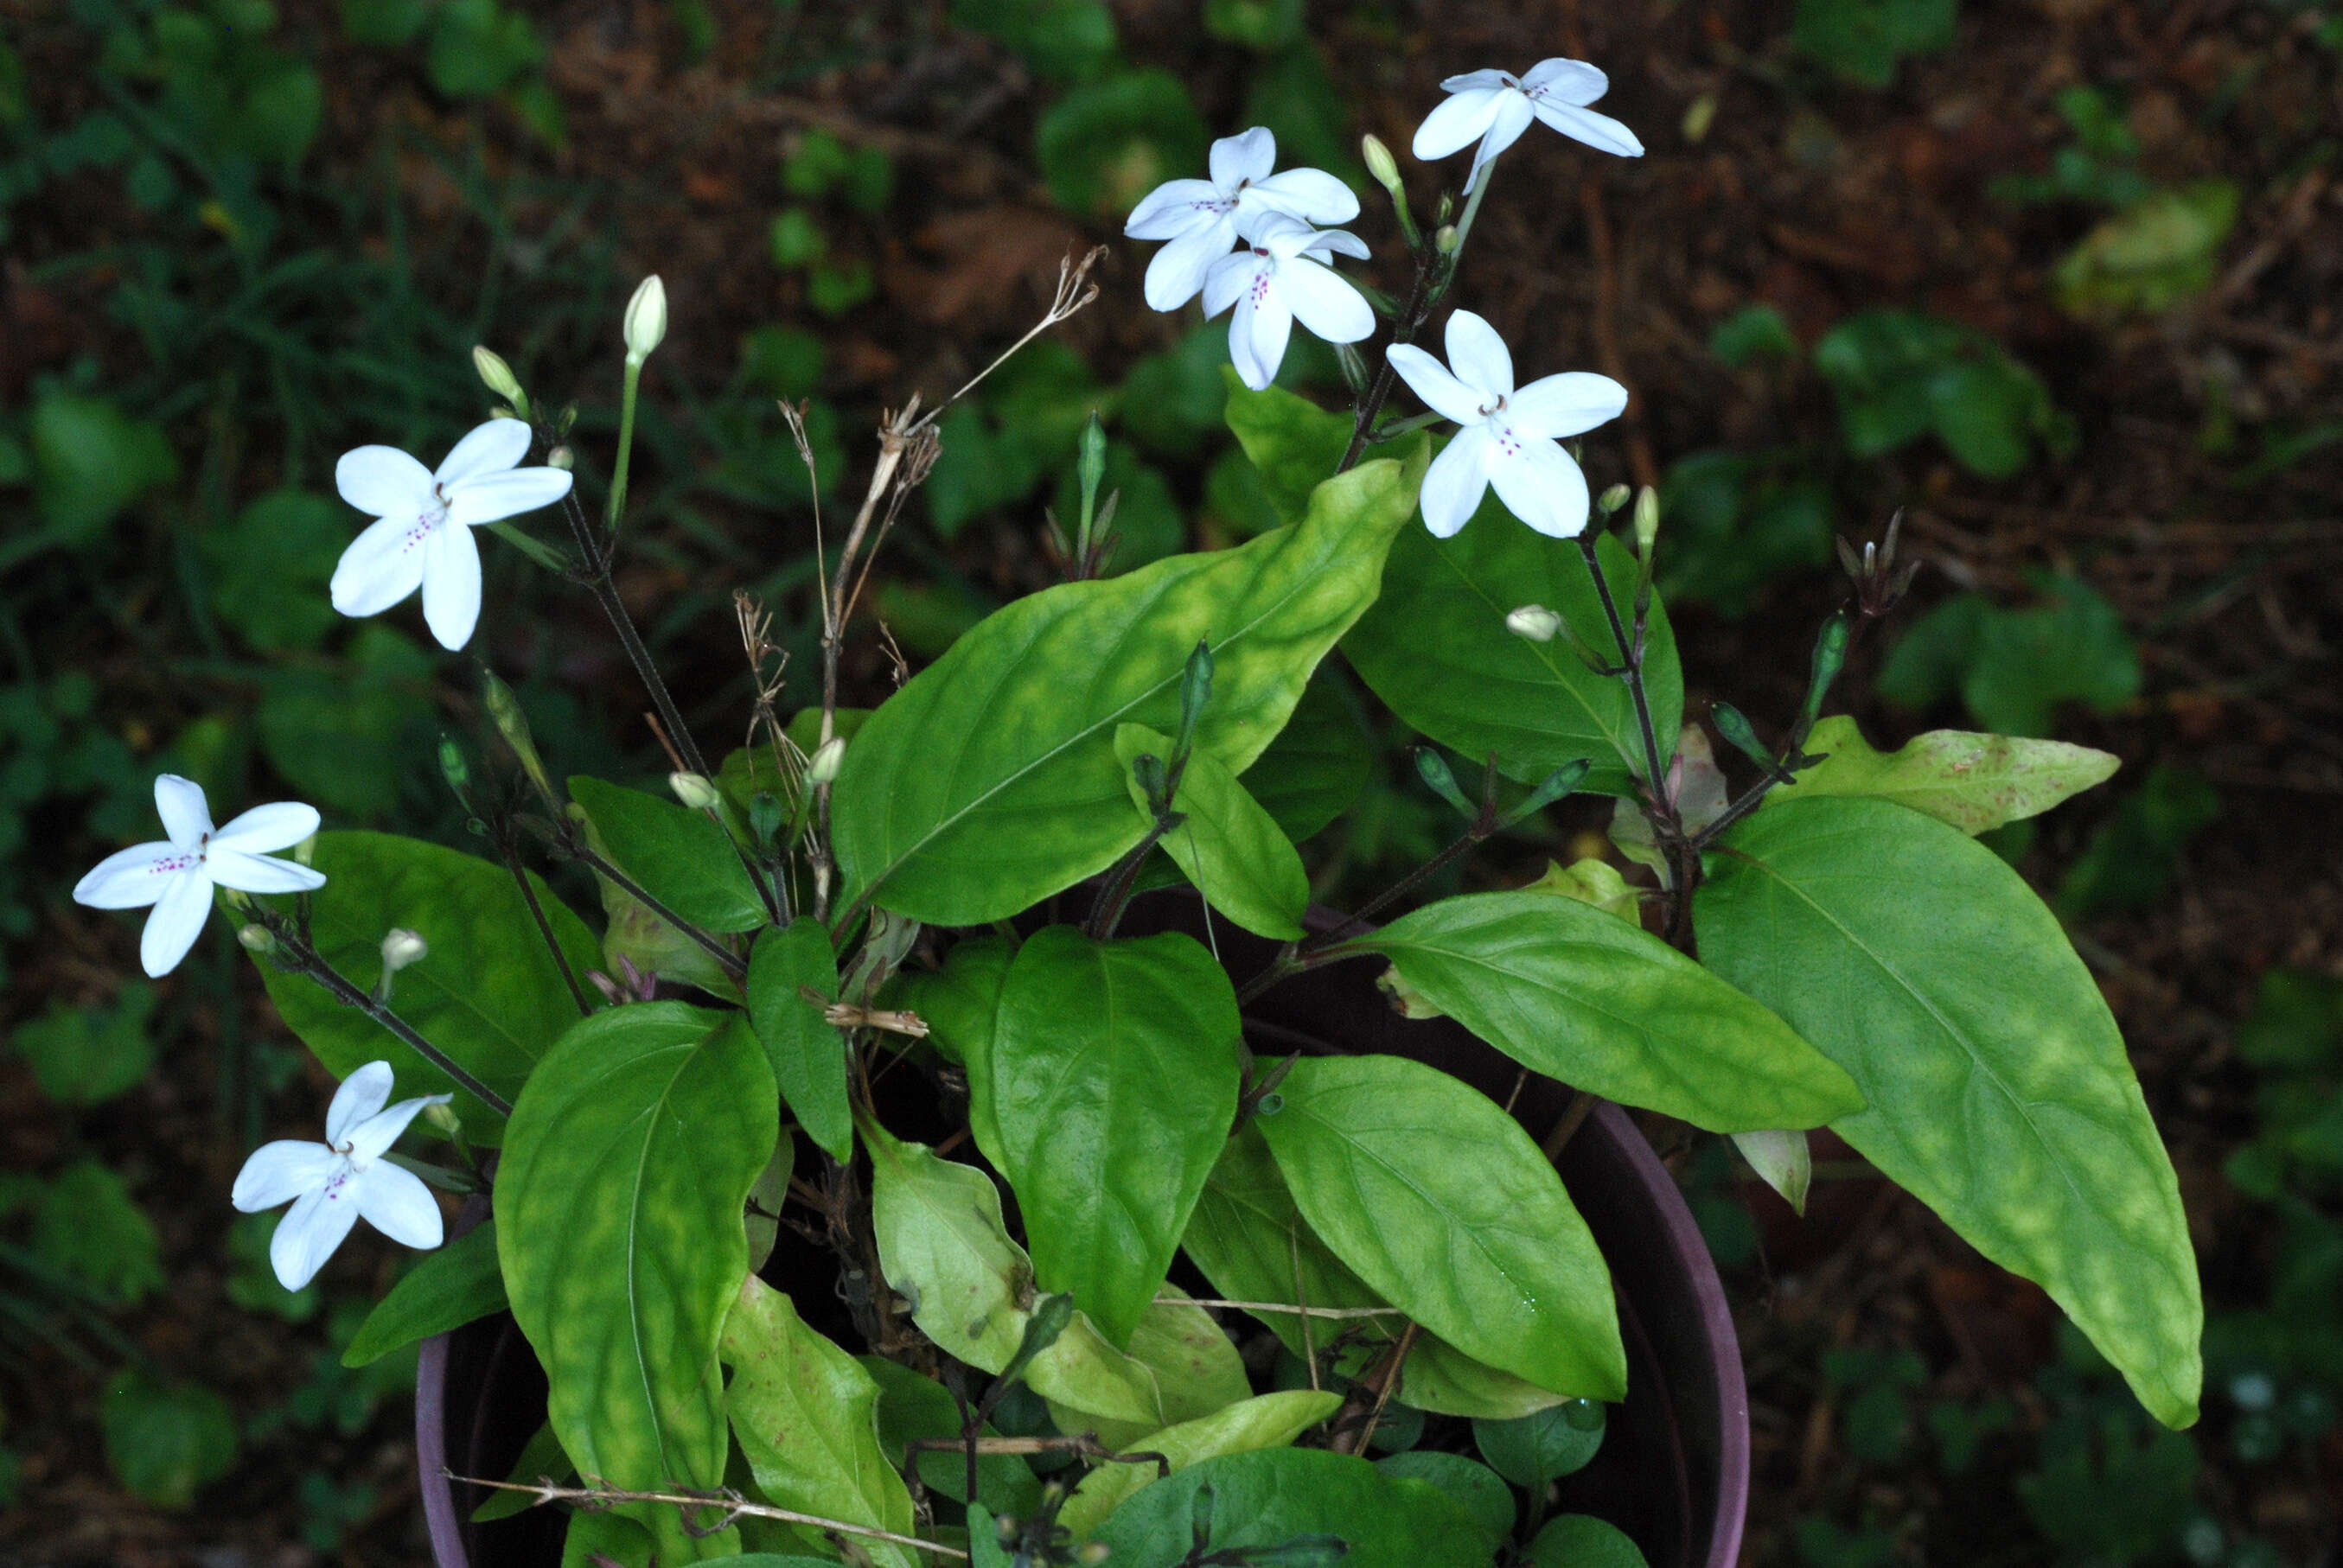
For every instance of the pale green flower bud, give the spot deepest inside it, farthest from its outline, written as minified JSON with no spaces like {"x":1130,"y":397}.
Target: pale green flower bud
{"x":1445,"y":239}
{"x":645,"y":320}
{"x":1535,"y":623}
{"x":822,"y":768}
{"x":1647,"y":519}
{"x":694,"y":790}
{"x":306,"y":851}
{"x":400,"y":948}
{"x":1380,"y":163}
{"x":562,"y":457}
{"x":497,"y":378}
{"x":255,"y":939}
{"x":444,"y":1118}
{"x":1612,"y":500}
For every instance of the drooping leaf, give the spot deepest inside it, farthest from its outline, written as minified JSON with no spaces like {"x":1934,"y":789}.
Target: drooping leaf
{"x":447,"y":1289}
{"x":990,"y":781}
{"x":1319,"y":762}
{"x":911,"y":1406}
{"x":1229,"y":847}
{"x":1976,"y":782}
{"x":1109,"y":1086}
{"x":1269,"y":1497}
{"x":1197,"y":1370}
{"x":1445,"y":1208}
{"x":807,"y":1417}
{"x":2000,"y":1094}
{"x":680,"y":856}
{"x":488,"y":994}
{"x":630,"y":1154}
{"x":958,"y":1000}
{"x":1263,"y":1421}
{"x":1435,"y":648}
{"x":1782,"y":1160}
{"x":1581,"y":996}
{"x":944,"y":1249}
{"x":807,"y":1051}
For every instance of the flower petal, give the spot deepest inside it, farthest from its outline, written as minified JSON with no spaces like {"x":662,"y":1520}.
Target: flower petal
{"x":1599,"y":131}
{"x":1479,"y":356}
{"x":1313,"y":195}
{"x":1227,"y":280}
{"x":451,"y":586}
{"x":1336,"y":242}
{"x":1458,"y":120}
{"x":250,"y":873}
{"x":371,"y":1138}
{"x":488,"y":449}
{"x":277,"y":826}
{"x":396,"y":1203}
{"x":1258,"y":333}
{"x":1566,"y":81}
{"x":187,"y":815}
{"x":1430,"y":380}
{"x":1512,"y":117}
{"x":1172,"y":208}
{"x":281,"y":1172}
{"x":384,"y":482}
{"x":1540,"y":485}
{"x":176,"y":922}
{"x":1454,"y":485}
{"x":308,"y":1234}
{"x":131,"y":878}
{"x":1324,"y":302}
{"x":1180,"y":269}
{"x":381,"y":567}
{"x":495,"y":497}
{"x":1249,"y":155}
{"x":1475,"y":81}
{"x":361,"y":1097}
{"x":1566,"y":405}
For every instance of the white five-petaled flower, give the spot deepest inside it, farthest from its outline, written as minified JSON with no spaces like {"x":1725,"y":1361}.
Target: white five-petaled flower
{"x":332,"y":1184}
{"x":1507,"y":436}
{"x":177,"y":875}
{"x":1497,"y":107}
{"x":1201,"y":219}
{"x":1276,"y":280}
{"x":424,"y":537}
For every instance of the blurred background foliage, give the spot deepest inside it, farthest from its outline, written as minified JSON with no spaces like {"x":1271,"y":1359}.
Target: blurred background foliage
{"x":2057,"y":277}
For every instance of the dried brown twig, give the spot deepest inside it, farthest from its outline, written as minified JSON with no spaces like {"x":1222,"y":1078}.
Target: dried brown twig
{"x":600,"y":1496}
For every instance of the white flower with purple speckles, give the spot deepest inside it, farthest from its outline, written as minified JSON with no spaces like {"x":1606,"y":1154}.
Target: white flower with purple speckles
{"x":332,"y":1185}
{"x":1497,"y":107}
{"x":424,"y":537}
{"x":1201,"y":219}
{"x":1507,"y":436}
{"x":1276,"y":280}
{"x":177,"y":876}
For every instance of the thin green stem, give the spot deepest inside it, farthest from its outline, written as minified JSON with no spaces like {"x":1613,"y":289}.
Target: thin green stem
{"x":544,"y":929}
{"x":309,"y":961}
{"x":617,"y":506}
{"x":728,"y":960}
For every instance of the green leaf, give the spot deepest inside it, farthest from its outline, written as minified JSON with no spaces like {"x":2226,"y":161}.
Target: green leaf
{"x":345,"y":738}
{"x":1435,"y":648}
{"x":1319,"y":763}
{"x":1063,"y":40}
{"x":1471,"y":1485}
{"x":2133,"y":855}
{"x":1976,"y":782}
{"x":1229,"y":847}
{"x":1999,"y":1092}
{"x":1862,"y":40}
{"x":166,"y":1441}
{"x":2148,"y":259}
{"x":88,"y":1225}
{"x":447,"y":1289}
{"x":478,"y":47}
{"x":1264,"y":24}
{"x":911,"y":1406}
{"x":1252,"y":1243}
{"x":1109,"y":1089}
{"x":1197,"y":1370}
{"x":606,"y":1541}
{"x":2012,"y":666}
{"x":1751,"y":335}
{"x":1444,"y":1207}
{"x":1292,"y":442}
{"x":540,"y":1458}
{"x":1171,"y":399}
{"x":88,"y":1055}
{"x":680,"y":857}
{"x":1541,"y":1448}
{"x":990,"y":781}
{"x":629,"y":1156}
{"x":1592,"y":882}
{"x":1580,"y":995}
{"x":488,"y":994}
{"x":91,"y":462}
{"x":807,"y":1415}
{"x":1582,"y":1540}
{"x":1104,"y":145}
{"x":807,"y":1051}
{"x":270,"y":568}
{"x":1268,"y":1497}
{"x":1264,"y":1420}
{"x":942,"y":1247}
{"x":958,"y":1000}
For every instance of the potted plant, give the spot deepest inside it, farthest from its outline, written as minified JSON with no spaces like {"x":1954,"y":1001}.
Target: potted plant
{"x":894,"y":1179}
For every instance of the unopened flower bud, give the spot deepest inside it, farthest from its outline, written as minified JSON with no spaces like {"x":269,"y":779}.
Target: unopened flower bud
{"x":453,"y":766}
{"x":822,"y":768}
{"x":1533,"y":622}
{"x":562,"y":457}
{"x":401,"y":948}
{"x":1380,"y":162}
{"x":1647,"y":519}
{"x":504,"y":712}
{"x":694,"y":790}
{"x":255,"y":939}
{"x":444,"y":1118}
{"x":1092,"y":1553}
{"x":1612,"y":500}
{"x":646,"y":321}
{"x":236,"y":898}
{"x":1444,"y":239}
{"x":306,"y":851}
{"x":498,"y":377}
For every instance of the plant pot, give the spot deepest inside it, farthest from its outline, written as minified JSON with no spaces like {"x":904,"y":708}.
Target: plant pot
{"x":1673,"y":1468}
